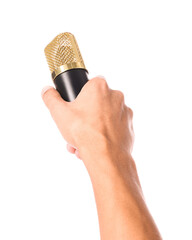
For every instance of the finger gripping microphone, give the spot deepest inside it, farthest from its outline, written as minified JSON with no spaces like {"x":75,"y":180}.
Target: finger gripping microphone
{"x":66,"y":65}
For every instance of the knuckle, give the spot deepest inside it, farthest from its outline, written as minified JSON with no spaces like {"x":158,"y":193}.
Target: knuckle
{"x":130,"y":112}
{"x":119,"y":95}
{"x":100,"y":83}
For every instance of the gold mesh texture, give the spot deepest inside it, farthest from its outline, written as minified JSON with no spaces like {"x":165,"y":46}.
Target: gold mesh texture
{"x":63,"y":51}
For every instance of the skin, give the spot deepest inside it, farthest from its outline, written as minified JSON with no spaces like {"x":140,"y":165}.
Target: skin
{"x":98,"y":128}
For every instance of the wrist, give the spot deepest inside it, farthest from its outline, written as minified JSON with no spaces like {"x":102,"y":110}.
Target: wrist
{"x":109,"y":162}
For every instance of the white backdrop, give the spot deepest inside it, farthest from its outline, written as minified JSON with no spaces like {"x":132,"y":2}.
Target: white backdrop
{"x":143,"y":48}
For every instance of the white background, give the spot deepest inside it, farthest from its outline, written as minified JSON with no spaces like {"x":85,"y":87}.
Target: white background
{"x":143,"y":48}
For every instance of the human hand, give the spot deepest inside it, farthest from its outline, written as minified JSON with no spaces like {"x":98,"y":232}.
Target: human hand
{"x":96,"y":121}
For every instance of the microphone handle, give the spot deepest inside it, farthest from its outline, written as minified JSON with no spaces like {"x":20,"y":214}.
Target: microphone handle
{"x":70,"y":83}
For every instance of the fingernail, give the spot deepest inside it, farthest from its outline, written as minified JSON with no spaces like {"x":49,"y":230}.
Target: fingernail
{"x":100,"y":76}
{"x":45,"y":89}
{"x":72,"y":146}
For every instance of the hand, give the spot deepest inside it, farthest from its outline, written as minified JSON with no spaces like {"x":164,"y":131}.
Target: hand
{"x":96,"y":121}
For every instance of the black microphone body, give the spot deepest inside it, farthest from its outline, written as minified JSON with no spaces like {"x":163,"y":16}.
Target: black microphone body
{"x":70,"y":83}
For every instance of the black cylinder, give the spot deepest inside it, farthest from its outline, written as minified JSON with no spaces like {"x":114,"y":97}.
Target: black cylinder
{"x":70,"y":83}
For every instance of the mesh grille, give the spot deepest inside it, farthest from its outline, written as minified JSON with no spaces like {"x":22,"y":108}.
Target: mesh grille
{"x":62,"y":50}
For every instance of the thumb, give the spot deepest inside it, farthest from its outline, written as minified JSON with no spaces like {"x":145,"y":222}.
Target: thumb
{"x":59,"y":109}
{"x":52,"y":98}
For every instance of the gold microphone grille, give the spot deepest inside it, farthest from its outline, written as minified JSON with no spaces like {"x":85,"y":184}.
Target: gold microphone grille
{"x":63,"y":54}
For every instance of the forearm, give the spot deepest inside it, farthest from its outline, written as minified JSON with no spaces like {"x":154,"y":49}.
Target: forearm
{"x":121,"y":208}
{"x":95,"y":123}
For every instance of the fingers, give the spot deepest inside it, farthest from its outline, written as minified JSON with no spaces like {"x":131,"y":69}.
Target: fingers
{"x":95,"y":84}
{"x":99,"y":83}
{"x":59,"y":110}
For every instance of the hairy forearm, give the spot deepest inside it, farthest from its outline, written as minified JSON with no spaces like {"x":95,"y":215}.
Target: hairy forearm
{"x":121,"y":208}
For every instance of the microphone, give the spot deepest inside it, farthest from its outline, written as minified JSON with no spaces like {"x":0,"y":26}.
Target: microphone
{"x":66,"y":65}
